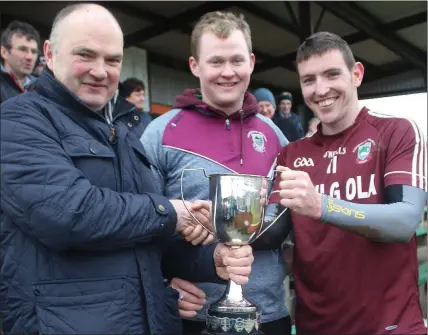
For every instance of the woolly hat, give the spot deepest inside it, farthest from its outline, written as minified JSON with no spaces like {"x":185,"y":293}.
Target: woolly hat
{"x":263,"y":94}
{"x":285,"y":96}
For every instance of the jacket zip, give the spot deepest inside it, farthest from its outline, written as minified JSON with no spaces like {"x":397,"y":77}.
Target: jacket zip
{"x":241,"y":149}
{"x":113,"y":137}
{"x":108,"y":116}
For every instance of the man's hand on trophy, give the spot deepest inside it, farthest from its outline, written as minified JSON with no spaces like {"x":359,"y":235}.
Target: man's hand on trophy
{"x":197,"y":234}
{"x":298,"y":193}
{"x":191,"y":298}
{"x":190,"y":228}
{"x":233,"y":264}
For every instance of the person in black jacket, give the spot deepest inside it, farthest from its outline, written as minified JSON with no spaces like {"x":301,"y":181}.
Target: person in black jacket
{"x":285,"y":103}
{"x":134,"y":90}
{"x":19,"y":51}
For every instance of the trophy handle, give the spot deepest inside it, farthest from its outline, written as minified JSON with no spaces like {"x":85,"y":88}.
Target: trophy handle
{"x":276,"y":219}
{"x":273,"y":175}
{"x":184,"y":202}
{"x":272,"y":178}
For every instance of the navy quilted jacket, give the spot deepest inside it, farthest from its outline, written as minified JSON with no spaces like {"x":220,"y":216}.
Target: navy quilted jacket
{"x":86,"y":242}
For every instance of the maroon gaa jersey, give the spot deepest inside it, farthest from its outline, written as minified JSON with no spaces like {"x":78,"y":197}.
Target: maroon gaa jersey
{"x":345,"y":283}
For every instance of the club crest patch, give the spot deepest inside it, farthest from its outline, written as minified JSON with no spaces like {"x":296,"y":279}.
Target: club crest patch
{"x":364,"y":151}
{"x":259,"y":140}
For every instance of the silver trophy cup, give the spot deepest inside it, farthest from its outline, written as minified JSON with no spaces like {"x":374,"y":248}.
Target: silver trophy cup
{"x":237,"y":213}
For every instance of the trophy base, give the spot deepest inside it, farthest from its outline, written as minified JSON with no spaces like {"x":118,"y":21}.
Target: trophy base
{"x":232,"y":320}
{"x":205,"y":332}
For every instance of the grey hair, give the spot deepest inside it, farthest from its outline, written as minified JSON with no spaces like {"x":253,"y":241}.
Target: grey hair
{"x":62,"y":14}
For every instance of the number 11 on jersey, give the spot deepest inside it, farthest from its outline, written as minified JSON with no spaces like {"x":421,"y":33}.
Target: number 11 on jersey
{"x":332,"y":166}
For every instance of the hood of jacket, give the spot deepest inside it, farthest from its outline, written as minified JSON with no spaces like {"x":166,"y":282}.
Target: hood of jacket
{"x":192,"y":99}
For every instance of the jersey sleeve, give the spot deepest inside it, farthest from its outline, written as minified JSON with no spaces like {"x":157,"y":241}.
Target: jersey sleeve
{"x":406,"y":156}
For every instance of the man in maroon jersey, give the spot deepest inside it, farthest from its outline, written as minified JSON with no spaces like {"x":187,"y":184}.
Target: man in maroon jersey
{"x":356,"y":191}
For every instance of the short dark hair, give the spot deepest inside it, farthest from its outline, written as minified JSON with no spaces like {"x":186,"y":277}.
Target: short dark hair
{"x":131,"y":85}
{"x":323,"y":42}
{"x":20,"y":28}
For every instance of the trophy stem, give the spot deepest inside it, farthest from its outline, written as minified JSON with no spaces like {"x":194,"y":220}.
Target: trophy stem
{"x":233,"y":314}
{"x":234,"y":292}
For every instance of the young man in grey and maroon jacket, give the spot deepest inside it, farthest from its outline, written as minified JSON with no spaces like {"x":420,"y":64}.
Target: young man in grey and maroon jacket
{"x":218,"y":128}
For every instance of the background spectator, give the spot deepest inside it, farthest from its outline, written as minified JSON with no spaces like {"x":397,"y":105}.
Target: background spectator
{"x":266,"y":102}
{"x":134,"y":90}
{"x":19,"y":50}
{"x":40,"y":64}
{"x":285,"y":103}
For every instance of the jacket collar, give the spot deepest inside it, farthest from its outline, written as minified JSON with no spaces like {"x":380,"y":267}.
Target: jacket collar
{"x":27,"y":80}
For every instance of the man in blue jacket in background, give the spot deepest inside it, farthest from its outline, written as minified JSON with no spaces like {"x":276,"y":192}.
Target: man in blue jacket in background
{"x":292,"y":120}
{"x":86,"y":240}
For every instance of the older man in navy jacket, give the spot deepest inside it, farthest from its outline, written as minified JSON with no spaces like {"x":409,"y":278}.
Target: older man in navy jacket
{"x":86,"y":239}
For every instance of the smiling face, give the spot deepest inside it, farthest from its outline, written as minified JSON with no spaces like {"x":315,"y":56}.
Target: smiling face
{"x":329,"y":89}
{"x":224,"y":67}
{"x":266,"y":109}
{"x":88,"y":60}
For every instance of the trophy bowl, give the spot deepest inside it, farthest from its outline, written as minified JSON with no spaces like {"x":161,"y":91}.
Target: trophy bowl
{"x":236,"y":211}
{"x":238,"y":204}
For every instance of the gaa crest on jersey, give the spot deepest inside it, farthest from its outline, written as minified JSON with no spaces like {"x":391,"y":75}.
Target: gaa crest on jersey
{"x":364,"y":151}
{"x":259,"y":140}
